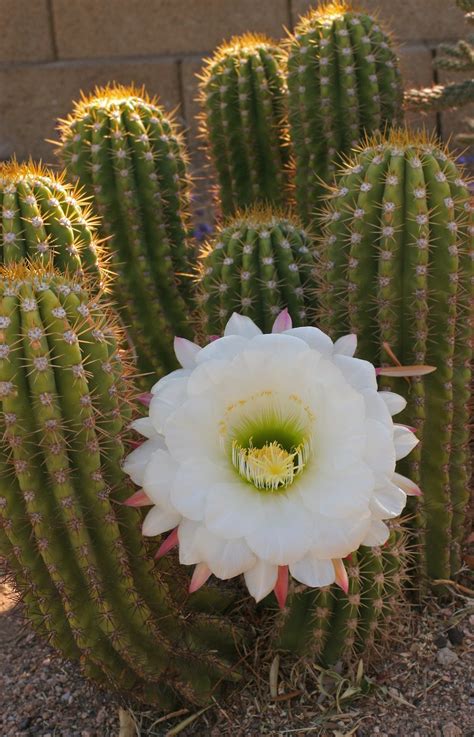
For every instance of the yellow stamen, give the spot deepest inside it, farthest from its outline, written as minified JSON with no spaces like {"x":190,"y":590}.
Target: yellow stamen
{"x":270,"y":467}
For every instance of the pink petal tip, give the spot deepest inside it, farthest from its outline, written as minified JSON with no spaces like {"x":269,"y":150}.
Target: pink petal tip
{"x":342,"y":578}
{"x":283,"y":322}
{"x":168,"y":544}
{"x":200,"y":576}
{"x":139,"y":499}
{"x":281,"y":586}
{"x":212,"y":338}
{"x":145,"y":398}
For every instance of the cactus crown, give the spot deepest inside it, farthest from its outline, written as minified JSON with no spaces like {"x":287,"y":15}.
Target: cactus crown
{"x":111,"y":94}
{"x":47,"y":221}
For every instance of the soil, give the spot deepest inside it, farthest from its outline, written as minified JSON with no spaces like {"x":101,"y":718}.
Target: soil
{"x":424,"y":689}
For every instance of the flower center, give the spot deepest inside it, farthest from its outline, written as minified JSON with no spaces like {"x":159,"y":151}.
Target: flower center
{"x":268,"y":438}
{"x":270,"y":467}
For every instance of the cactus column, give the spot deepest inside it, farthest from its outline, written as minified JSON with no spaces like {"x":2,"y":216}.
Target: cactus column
{"x":243,"y":95}
{"x":46,"y":221}
{"x":129,"y":156}
{"x":343,"y":83}
{"x":257,"y":264}
{"x":76,"y":552}
{"x":397,"y":270}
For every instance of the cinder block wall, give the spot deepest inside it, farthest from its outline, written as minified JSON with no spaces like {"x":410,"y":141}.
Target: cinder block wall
{"x":51,"y":49}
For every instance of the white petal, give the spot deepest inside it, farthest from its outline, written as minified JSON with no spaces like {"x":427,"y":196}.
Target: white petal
{"x":137,"y":461}
{"x":279,"y":345}
{"x":380,"y":450}
{"x":404,"y":440}
{"x":169,"y":397}
{"x":191,"y":485}
{"x":286,"y":533}
{"x":313,"y":571}
{"x":222,"y":349}
{"x":233,"y":509}
{"x":159,"y":520}
{"x":240,"y":325}
{"x":189,"y":553}
{"x":376,"y":408}
{"x":173,"y":376}
{"x":395,"y":403}
{"x":159,"y":476}
{"x":336,"y":538}
{"x":144,"y":426}
{"x":225,"y":558}
{"x":360,"y":374}
{"x":261,"y":579}
{"x":314,"y":337}
{"x":346,"y":346}
{"x":186,"y":352}
{"x":377,"y":534}
{"x":340,"y":494}
{"x":408,"y":486}
{"x":388,"y":501}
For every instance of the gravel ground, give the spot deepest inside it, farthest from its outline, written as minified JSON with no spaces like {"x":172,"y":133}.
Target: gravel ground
{"x":425,"y":689}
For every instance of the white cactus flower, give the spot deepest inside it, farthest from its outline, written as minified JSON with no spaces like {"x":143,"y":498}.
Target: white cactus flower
{"x":269,"y":453}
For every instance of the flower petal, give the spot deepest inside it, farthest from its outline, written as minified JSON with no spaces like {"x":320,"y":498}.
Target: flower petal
{"x":191,"y":486}
{"x":407,"y":485}
{"x":233,"y":509}
{"x":405,"y":440}
{"x":225,"y":558}
{"x":261,"y":579}
{"x":158,"y":521}
{"x":313,"y":571}
{"x":342,"y":579}
{"x":281,"y":586}
{"x":283,"y":322}
{"x":241,"y":325}
{"x":222,"y":349}
{"x":144,"y":426}
{"x":395,"y":402}
{"x":377,"y":534}
{"x":159,"y":476}
{"x":136,"y":462}
{"x":346,"y":346}
{"x":286,"y":532}
{"x":360,"y":374}
{"x":186,"y":352}
{"x":314,"y":338}
{"x":388,"y":501}
{"x":187,"y":535}
{"x":199,"y":577}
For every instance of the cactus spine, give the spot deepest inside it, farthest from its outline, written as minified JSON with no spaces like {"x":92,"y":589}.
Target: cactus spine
{"x":130,"y":157}
{"x":46,"y":221}
{"x":76,"y":551}
{"x":258,"y":263}
{"x":242,"y":93}
{"x":343,"y":82}
{"x":329,"y":625}
{"x":397,"y":269}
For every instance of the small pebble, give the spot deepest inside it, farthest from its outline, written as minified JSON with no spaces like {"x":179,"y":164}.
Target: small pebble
{"x":446,"y":657}
{"x":451,"y":730}
{"x":440,"y":641}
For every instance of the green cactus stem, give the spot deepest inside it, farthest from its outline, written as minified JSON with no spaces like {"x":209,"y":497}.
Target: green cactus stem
{"x":343,"y":83}
{"x":76,"y":551}
{"x":242,"y":94}
{"x":129,"y":156}
{"x":328,"y":625}
{"x":46,"y":221}
{"x":257,"y":264}
{"x":396,"y":270}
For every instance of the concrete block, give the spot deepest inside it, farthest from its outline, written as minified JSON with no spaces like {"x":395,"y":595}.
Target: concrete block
{"x":34,"y":97}
{"x":104,"y":28}
{"x":26,"y":31}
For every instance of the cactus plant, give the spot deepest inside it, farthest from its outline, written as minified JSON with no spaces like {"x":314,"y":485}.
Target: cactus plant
{"x":242,"y":93}
{"x":343,"y":82}
{"x":396,"y":270}
{"x":129,"y":156}
{"x":76,"y":552}
{"x":328,"y":625}
{"x":258,"y":263}
{"x":46,"y":221}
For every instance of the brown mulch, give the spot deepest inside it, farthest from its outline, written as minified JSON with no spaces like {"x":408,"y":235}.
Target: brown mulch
{"x":424,"y":689}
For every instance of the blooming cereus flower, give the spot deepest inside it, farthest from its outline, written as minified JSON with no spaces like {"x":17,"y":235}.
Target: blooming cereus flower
{"x":269,"y":453}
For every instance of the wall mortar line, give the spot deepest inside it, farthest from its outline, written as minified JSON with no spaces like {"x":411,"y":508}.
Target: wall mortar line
{"x":52,"y":29}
